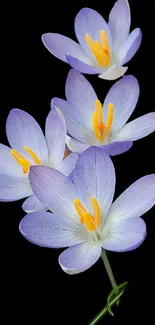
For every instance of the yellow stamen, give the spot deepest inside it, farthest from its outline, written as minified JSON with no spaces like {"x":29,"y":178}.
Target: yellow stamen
{"x":98,"y":123}
{"x":33,"y":155}
{"x":100,"y":50}
{"x":66,"y":153}
{"x":104,"y":42}
{"x":103,"y":53}
{"x":109,"y":119}
{"x":96,"y":211}
{"x":102,"y":130}
{"x":91,"y":221}
{"x":24,"y":163}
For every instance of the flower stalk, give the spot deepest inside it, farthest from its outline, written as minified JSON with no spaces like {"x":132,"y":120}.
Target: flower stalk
{"x":107,"y":308}
{"x":109,"y":271}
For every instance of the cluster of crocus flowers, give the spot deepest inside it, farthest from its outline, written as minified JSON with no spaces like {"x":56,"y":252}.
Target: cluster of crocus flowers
{"x":69,"y":198}
{"x":103,"y":48}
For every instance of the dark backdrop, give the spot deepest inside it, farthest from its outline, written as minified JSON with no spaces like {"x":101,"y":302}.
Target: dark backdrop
{"x":41,"y":291}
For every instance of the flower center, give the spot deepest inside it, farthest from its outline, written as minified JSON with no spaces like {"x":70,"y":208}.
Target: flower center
{"x":91,"y":221}
{"x":102,"y":130}
{"x":24,"y":163}
{"x":100,"y":50}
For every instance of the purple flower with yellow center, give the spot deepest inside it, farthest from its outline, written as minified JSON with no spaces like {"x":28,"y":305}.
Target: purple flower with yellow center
{"x":103,"y":48}
{"x":29,"y":147}
{"x":84,"y":217}
{"x":89,"y":123}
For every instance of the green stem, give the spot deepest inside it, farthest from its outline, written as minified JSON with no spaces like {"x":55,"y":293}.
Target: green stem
{"x":104,"y":310}
{"x":109,"y":271}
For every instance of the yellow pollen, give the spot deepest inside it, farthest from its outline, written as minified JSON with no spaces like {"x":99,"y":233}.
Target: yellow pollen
{"x":23,"y":162}
{"x":109,"y":119}
{"x":98,"y":123}
{"x":96,"y":211}
{"x":102,"y":130}
{"x":92,"y":222}
{"x":33,"y":155}
{"x":100,"y":50}
{"x":66,"y":153}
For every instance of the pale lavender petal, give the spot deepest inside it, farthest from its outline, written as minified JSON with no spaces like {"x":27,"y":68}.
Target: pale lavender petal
{"x":14,"y":188}
{"x":80,"y":94}
{"x":55,"y":131}
{"x":131,"y":46}
{"x":137,"y":199}
{"x":49,"y":230}
{"x":123,"y":95}
{"x":23,"y":131}
{"x":116,"y":148}
{"x":82,"y":65}
{"x":8,"y":165}
{"x":89,"y":21}
{"x":111,"y":149}
{"x":94,"y":176}
{"x":53,"y":189}
{"x":74,"y":121}
{"x":32,"y":204}
{"x":119,"y":23}
{"x":113,"y":73}
{"x":68,"y":163}
{"x":79,"y":258}
{"x":75,"y":145}
{"x":125,"y":235}
{"x":60,"y":45}
{"x":138,"y":128}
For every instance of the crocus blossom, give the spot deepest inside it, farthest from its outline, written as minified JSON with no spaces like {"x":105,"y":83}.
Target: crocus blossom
{"x":84,"y":217}
{"x":103,"y":48}
{"x":88,"y":123}
{"x":29,"y":147}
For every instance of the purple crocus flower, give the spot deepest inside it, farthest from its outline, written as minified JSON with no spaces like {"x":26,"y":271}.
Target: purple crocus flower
{"x":29,"y":147}
{"x":85,"y":219}
{"x":90,"y":124}
{"x":103,"y":48}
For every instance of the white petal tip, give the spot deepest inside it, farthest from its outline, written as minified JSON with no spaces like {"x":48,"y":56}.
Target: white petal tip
{"x":113,"y":73}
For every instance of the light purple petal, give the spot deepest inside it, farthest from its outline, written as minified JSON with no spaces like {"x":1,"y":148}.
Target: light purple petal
{"x":138,"y":128}
{"x":94,"y":176}
{"x":8,"y":165}
{"x":79,"y":258}
{"x":59,"y":45}
{"x":14,"y":188}
{"x":89,"y":21}
{"x":137,"y":199}
{"x":125,"y":235}
{"x":116,"y":148}
{"x":32,"y":204}
{"x":80,"y":94}
{"x":55,"y":131}
{"x":53,"y":189}
{"x":113,"y":73}
{"x":74,"y":122}
{"x":75,"y":145}
{"x":119,"y":23}
{"x":124,"y":96}
{"x":81,"y":65}
{"x":68,"y":163}
{"x":49,"y":230}
{"x":23,"y":131}
{"x":111,"y":149}
{"x":131,"y":46}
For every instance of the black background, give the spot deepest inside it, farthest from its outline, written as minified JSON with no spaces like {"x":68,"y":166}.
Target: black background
{"x":41,"y":291}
